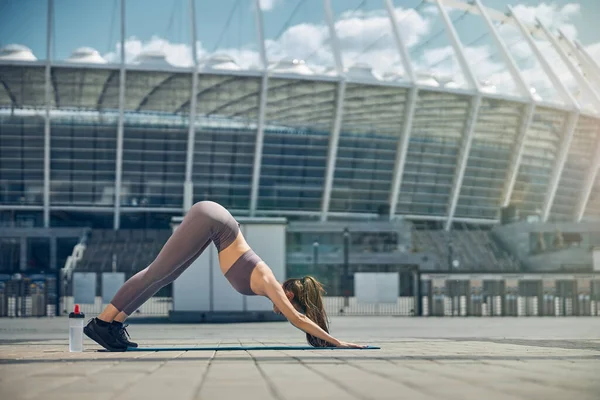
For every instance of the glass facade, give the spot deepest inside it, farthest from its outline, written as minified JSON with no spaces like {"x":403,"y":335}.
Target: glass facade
{"x":438,"y":127}
{"x":21,"y":160}
{"x":577,"y":165}
{"x":371,"y":128}
{"x":542,"y":145}
{"x":495,"y":133}
{"x":299,"y":118}
{"x":82,"y":162}
{"x":224,"y":145}
{"x":592,"y":211}
{"x":153,"y":166}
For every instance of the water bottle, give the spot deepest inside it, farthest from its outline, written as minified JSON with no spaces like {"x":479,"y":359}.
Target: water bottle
{"x":76,"y":330}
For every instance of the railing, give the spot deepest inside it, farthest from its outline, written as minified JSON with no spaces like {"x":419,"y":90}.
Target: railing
{"x":34,"y":295}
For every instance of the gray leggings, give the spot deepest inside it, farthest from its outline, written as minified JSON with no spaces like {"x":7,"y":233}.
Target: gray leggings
{"x":204,"y":223}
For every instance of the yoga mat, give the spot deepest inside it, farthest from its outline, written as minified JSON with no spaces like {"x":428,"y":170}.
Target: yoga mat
{"x":233,"y":348}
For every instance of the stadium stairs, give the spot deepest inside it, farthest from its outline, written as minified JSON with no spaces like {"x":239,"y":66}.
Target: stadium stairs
{"x":126,"y":251}
{"x":474,"y":249}
{"x":572,"y":255}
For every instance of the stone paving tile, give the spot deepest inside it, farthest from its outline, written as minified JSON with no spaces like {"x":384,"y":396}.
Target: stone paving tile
{"x":405,"y":367}
{"x":180,"y":377}
{"x":297,"y":382}
{"x":512,"y":382}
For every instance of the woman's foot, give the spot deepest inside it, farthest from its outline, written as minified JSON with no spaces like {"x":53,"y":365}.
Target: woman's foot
{"x":103,"y":333}
{"x":120,"y":332}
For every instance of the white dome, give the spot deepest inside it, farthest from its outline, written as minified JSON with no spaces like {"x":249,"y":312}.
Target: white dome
{"x":86,"y":55}
{"x":427,"y":78}
{"x":220,"y":61}
{"x":154,"y":58}
{"x":488,"y":87}
{"x":293,"y":66}
{"x":451,"y":85}
{"x":361,"y":71}
{"x":393,"y":76}
{"x":447,"y":82}
{"x":535,"y":94}
{"x":330,"y":71}
{"x":17,"y":52}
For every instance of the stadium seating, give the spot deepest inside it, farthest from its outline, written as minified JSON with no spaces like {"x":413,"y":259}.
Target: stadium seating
{"x":475,"y":250}
{"x":131,"y":250}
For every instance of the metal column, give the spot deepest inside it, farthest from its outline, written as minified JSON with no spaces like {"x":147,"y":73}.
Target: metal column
{"x":409,"y":113}
{"x":119,"y":155}
{"x":581,"y":80}
{"x":565,"y":144}
{"x":572,"y":118}
{"x":264,"y":92}
{"x":188,"y":184}
{"x":528,"y":112}
{"x":339,"y":109}
{"x":584,"y":84}
{"x":558,"y":84}
{"x":47,"y":87}
{"x":587,"y":56}
{"x":588,"y":184}
{"x":585,"y":64}
{"x":472,"y":118}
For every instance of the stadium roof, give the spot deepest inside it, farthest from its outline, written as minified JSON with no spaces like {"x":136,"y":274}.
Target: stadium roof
{"x":525,"y":136}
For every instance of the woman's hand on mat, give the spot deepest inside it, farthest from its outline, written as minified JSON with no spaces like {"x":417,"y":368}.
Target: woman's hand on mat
{"x":350,"y":345}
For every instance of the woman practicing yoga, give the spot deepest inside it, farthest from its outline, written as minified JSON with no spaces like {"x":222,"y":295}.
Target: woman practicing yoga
{"x":299,"y":300}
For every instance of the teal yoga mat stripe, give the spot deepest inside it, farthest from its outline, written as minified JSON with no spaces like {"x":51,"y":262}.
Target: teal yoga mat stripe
{"x":234,"y":348}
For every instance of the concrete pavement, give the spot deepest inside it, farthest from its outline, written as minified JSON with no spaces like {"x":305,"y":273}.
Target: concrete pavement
{"x":421,"y":358}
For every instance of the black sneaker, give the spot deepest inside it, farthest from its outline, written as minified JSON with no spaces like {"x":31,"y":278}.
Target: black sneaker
{"x":102,"y":333}
{"x":119,"y":331}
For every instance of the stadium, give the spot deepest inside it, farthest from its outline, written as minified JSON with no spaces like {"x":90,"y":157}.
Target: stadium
{"x":472,"y":176}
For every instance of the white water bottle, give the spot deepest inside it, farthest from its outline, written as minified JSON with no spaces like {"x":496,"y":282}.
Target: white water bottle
{"x":76,"y":330}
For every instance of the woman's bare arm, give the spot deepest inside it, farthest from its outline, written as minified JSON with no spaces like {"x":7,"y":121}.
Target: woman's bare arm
{"x":275,"y":293}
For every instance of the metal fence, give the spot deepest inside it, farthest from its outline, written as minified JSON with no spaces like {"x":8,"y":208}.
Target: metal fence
{"x":334,"y":306}
{"x":510,"y":295}
{"x":97,"y":299}
{"x":157,"y":306}
{"x":28,"y":296}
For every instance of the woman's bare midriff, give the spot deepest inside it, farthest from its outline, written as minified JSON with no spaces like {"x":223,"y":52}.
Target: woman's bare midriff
{"x":229,"y":255}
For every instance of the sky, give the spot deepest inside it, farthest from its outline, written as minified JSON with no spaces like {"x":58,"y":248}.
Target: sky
{"x":297,"y":29}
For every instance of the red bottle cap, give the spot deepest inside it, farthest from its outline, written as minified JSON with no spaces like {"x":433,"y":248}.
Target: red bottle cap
{"x":76,"y":310}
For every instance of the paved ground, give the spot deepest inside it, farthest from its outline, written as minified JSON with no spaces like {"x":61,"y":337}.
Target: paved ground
{"x":421,"y":358}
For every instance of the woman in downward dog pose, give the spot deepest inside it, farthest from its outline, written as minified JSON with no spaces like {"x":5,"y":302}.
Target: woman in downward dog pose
{"x":299,"y":300}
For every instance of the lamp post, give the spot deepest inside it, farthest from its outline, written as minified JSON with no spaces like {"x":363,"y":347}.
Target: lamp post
{"x":315,"y":255}
{"x":346,"y":266}
{"x":450,"y":254}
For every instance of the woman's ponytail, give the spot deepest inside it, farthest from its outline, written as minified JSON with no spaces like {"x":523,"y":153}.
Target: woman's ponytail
{"x":311,"y":298}
{"x":308,"y":296}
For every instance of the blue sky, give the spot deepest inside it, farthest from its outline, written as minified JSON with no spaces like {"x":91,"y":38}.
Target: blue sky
{"x":89,"y":22}
{"x":297,"y":29}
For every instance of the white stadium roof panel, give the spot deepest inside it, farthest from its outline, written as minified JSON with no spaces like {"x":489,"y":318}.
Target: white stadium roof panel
{"x":79,"y":88}
{"x":227,"y":96}
{"x":173,"y":91}
{"x":26,"y":84}
{"x":373,"y":110}
{"x":303,"y":75}
{"x":140,"y":84}
{"x":300,"y":103}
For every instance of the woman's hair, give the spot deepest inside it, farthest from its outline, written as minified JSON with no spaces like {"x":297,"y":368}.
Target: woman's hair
{"x":308,"y":296}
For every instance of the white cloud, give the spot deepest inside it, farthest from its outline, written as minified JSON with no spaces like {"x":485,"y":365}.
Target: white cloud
{"x":366,"y":37}
{"x":268,"y":5}
{"x":177,"y":54}
{"x":551,"y":15}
